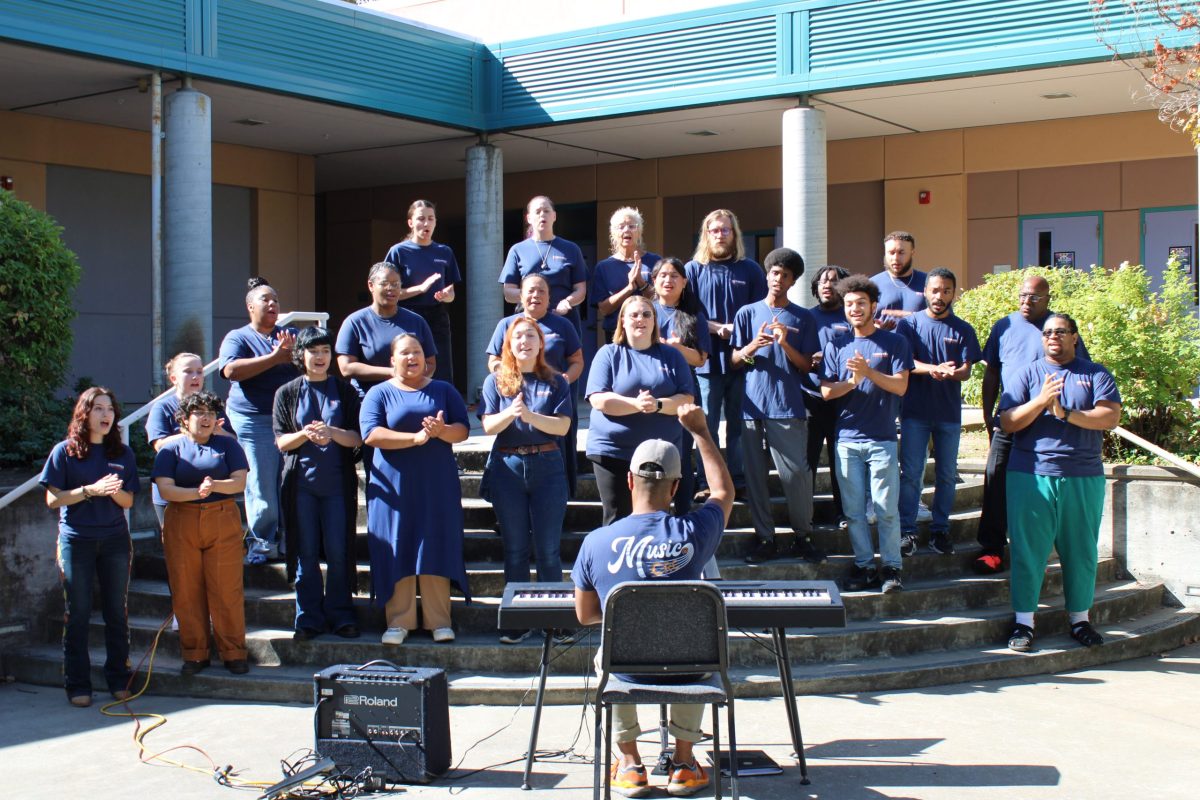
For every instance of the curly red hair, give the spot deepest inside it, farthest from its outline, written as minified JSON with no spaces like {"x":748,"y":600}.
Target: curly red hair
{"x":79,"y":437}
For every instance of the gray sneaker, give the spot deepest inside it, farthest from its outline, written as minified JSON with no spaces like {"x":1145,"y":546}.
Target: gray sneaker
{"x":891,"y":580}
{"x":939,"y":542}
{"x":908,"y":544}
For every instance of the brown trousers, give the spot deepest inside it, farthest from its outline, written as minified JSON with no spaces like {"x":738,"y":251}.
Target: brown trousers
{"x":203,"y":546}
{"x":401,"y":608}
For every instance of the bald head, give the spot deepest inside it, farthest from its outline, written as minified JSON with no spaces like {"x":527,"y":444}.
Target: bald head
{"x":1034,"y":298}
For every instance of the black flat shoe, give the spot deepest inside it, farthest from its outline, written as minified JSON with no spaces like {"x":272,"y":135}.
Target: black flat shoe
{"x":1086,"y":635}
{"x":238,"y":666}
{"x":348,"y":631}
{"x":190,"y":668}
{"x":1021,"y":639}
{"x":305,"y":634}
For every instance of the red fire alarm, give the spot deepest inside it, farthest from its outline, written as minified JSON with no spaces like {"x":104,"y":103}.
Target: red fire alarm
{"x":6,"y":182}
{"x":923,"y":197}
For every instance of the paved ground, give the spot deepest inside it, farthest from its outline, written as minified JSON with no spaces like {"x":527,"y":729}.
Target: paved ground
{"x":1128,"y":730}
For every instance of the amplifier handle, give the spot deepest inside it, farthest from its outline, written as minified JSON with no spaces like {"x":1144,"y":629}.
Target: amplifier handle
{"x":379,"y":661}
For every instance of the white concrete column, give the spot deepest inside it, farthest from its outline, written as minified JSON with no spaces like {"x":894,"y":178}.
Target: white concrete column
{"x":805,"y":196}
{"x":188,"y":226}
{"x":485,"y":256}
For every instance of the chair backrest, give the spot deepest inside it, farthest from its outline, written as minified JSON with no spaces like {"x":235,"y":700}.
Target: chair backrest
{"x":664,"y":627}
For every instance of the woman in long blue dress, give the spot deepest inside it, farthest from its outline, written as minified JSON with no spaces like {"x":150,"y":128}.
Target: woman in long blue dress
{"x":414,"y":504}
{"x":527,"y":406}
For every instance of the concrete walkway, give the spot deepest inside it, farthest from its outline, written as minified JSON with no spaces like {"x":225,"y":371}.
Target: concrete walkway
{"x":1128,"y":730}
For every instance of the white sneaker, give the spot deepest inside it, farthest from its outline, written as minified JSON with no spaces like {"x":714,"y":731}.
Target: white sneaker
{"x":394,"y":636}
{"x":923,"y":513}
{"x":871,"y":518}
{"x":443,"y":634}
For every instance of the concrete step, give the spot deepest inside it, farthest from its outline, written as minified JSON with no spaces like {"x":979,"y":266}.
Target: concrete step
{"x":1127,"y":635}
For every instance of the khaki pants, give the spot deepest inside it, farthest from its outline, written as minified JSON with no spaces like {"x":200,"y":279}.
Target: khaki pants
{"x":203,"y":547}
{"x":401,"y":608}
{"x":683,"y":719}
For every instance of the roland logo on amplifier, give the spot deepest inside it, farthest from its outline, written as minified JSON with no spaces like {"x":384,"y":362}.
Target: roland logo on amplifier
{"x":368,"y":700}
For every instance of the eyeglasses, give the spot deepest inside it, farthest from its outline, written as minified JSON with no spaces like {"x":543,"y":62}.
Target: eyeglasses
{"x":720,"y":231}
{"x":1058,"y":332}
{"x":1033,"y":298}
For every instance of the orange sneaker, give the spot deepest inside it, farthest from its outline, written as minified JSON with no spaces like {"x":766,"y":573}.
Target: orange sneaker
{"x":686,"y":779}
{"x":630,"y":781}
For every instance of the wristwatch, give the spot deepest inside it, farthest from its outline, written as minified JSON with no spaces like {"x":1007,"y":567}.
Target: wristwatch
{"x":1066,"y":415}
{"x":658,"y":405}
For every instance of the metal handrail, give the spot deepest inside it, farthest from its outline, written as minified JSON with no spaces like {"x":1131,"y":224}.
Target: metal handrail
{"x":320,"y":317}
{"x":1165,"y":455}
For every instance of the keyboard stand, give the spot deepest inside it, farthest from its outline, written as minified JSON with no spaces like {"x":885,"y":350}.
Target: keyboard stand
{"x":783,"y":665}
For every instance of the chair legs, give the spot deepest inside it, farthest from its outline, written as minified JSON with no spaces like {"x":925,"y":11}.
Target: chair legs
{"x":608,"y":714}
{"x":716,"y":742}
{"x":733,"y":766}
{"x":598,"y":774}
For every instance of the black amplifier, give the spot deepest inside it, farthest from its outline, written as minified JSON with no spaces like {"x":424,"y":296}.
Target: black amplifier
{"x":393,"y":719}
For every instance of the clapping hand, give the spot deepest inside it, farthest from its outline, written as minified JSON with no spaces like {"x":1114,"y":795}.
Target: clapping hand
{"x":284,"y":343}
{"x":941,"y":372}
{"x":318,"y":432}
{"x":428,"y":283}
{"x":518,"y":408}
{"x":433,"y":426}
{"x":107,"y":486}
{"x":635,"y":273}
{"x":1049,"y":395}
{"x":205,"y":488}
{"x":858,"y":366}
{"x":563,"y":308}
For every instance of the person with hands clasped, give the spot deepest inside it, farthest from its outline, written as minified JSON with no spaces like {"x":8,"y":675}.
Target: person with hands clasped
{"x":91,"y":478}
{"x":635,"y":385}
{"x":257,"y":360}
{"x":624,"y":273}
{"x":198,"y":474}
{"x":868,"y":374}
{"x":526,"y":405}
{"x":1056,"y":410}
{"x":316,"y":429}
{"x":414,"y":503}
{"x":773,"y":342}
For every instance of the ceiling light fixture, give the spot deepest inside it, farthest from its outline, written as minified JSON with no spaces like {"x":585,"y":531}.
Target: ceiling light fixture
{"x":250,"y":122}
{"x":1057,"y":96}
{"x":704,"y":132}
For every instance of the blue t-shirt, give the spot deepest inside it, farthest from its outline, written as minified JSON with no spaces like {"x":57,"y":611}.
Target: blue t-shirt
{"x":900,"y":294}
{"x":665,"y":317}
{"x":723,"y":287}
{"x":552,"y":399}
{"x":320,"y":467}
{"x":659,"y":369}
{"x":254,"y":395}
{"x":162,"y":421}
{"x":189,"y":462}
{"x":415,"y":263}
{"x":610,"y":276}
{"x":831,"y":325}
{"x":368,"y":337}
{"x":867,"y":413}
{"x":559,"y":261}
{"x":774,"y":388}
{"x":96,"y":517}
{"x":648,"y":547}
{"x":562,"y":340}
{"x":1051,"y":446}
{"x":1015,"y":343}
{"x":936,"y":341}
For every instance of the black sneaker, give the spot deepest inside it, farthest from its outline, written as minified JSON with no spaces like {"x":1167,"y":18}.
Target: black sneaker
{"x":891,"y":580}
{"x":908,"y":544}
{"x":514,"y":636}
{"x":803,"y":548}
{"x":860,"y":578}
{"x":939,"y":542}
{"x":764,"y":552}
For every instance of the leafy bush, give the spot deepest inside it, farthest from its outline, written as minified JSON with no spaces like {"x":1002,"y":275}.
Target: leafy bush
{"x":38,"y":275}
{"x":1149,"y":341}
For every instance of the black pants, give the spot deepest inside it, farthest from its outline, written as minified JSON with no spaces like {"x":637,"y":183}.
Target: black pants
{"x":822,"y":433}
{"x":993,"y":517}
{"x":613,"y":485}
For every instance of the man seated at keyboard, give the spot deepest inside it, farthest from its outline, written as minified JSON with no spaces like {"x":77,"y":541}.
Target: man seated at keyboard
{"x":651,"y":544}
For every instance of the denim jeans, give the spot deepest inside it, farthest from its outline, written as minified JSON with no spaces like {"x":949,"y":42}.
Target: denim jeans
{"x":863,"y":467}
{"x":529,"y":494}
{"x":262,"y":484}
{"x":724,"y":391}
{"x":914,"y":446}
{"x":322,"y":528}
{"x":83,"y":563}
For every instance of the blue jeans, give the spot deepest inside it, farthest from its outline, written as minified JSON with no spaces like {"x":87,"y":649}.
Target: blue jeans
{"x":863,"y":467}
{"x":322,"y":528}
{"x":717,"y":391}
{"x":262,"y":484}
{"x":82,"y":563}
{"x":529,"y":494}
{"x":914,"y":445}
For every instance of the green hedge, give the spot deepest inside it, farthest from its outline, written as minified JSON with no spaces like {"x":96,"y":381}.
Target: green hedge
{"x":38,"y":276}
{"x":1150,"y":341}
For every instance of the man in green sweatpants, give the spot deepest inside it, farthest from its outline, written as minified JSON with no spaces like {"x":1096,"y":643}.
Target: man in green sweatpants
{"x":1057,"y":410}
